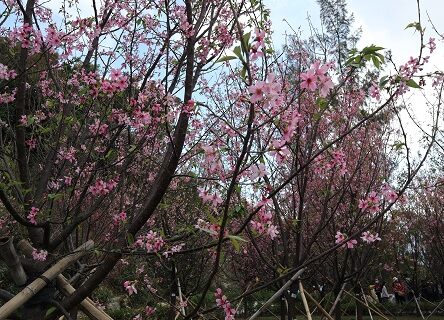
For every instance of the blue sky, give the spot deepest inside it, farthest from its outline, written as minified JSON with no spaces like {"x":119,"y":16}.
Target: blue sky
{"x":382,"y":21}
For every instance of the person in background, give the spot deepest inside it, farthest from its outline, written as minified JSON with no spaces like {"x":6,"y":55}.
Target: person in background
{"x":384,"y":293}
{"x":378,"y":289}
{"x":399,"y":290}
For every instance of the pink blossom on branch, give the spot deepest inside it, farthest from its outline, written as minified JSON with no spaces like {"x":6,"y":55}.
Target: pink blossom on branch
{"x":309,"y":80}
{"x":370,"y":238}
{"x":130,"y":287}
{"x":39,"y":255}
{"x":33,"y":215}
{"x":340,"y":237}
{"x":222,"y":302}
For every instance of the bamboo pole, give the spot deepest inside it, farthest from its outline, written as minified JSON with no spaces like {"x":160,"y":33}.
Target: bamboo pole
{"x":374,"y":310}
{"x":434,"y":310}
{"x":366,"y":303}
{"x":318,"y":305}
{"x":417,"y":304}
{"x":304,"y":301}
{"x":38,"y":284}
{"x":277,"y":294}
{"x":338,"y":298}
{"x":87,"y":306}
{"x":12,"y":261}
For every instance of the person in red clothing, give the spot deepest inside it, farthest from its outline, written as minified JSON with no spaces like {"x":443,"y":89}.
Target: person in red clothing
{"x":399,"y":289}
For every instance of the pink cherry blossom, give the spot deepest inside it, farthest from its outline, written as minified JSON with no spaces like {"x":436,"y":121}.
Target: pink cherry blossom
{"x":130,"y":287}
{"x":257,"y":91}
{"x":222,"y":302}
{"x":33,"y":214}
{"x":39,"y":255}
{"x":370,"y":238}
{"x":309,"y":80}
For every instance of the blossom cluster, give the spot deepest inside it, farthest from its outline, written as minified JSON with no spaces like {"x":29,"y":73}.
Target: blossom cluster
{"x":33,"y":215}
{"x":120,"y":217}
{"x":211,"y":228}
{"x":101,"y":187}
{"x":39,"y":255}
{"x":369,"y":237}
{"x":340,"y":237}
{"x":6,"y":74}
{"x":256,"y":49}
{"x":316,"y":78}
{"x":213,"y":199}
{"x":130,"y":287}
{"x":222,"y":301}
{"x":151,"y":242}
{"x":265,"y":224}
{"x":366,"y":237}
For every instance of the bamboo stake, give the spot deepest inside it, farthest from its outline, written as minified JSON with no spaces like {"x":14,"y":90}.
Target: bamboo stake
{"x":374,"y":310}
{"x":87,"y":306}
{"x":437,"y":307}
{"x":338,"y":298}
{"x":417,"y":304}
{"x":277,"y":294}
{"x":366,"y":304}
{"x":304,"y":301}
{"x":38,"y":284}
{"x":318,"y":305}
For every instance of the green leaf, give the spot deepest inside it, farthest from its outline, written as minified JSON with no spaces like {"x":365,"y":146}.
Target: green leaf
{"x":50,"y":311}
{"x":237,"y":238}
{"x":129,"y":239}
{"x":226,"y":58}
{"x":383,"y":81}
{"x":244,"y":73}
{"x":322,"y":103}
{"x":55,"y":196}
{"x":237,"y":52}
{"x":380,"y":56}
{"x":415,"y":25}
{"x":371,"y":49}
{"x":246,"y":40}
{"x":412,"y":84}
{"x":398,"y":145}
{"x":376,"y":62}
{"x":235,"y":244}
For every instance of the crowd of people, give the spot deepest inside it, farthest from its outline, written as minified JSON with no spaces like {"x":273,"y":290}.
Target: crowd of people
{"x":401,"y":292}
{"x":399,"y":289}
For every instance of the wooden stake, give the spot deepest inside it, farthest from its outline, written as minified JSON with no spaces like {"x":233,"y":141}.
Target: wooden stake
{"x":338,"y":298}
{"x":366,"y":304}
{"x":324,"y":312}
{"x":374,"y":310}
{"x":277,"y":294}
{"x":304,"y":301}
{"x":87,"y":306}
{"x":38,"y":284}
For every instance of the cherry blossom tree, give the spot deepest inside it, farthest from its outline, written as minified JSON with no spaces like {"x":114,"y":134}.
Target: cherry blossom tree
{"x":176,"y":137}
